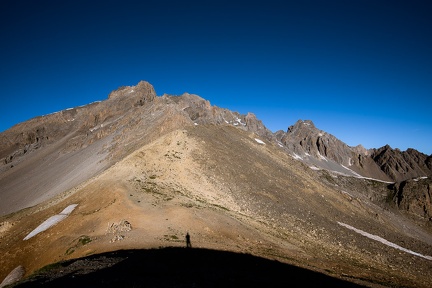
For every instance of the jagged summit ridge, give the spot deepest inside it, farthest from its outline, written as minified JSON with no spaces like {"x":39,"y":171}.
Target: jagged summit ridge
{"x":321,"y":149}
{"x":303,"y":140}
{"x":403,"y":165}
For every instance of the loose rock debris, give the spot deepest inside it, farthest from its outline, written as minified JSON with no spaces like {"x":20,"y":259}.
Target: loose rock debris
{"x":118,"y":228}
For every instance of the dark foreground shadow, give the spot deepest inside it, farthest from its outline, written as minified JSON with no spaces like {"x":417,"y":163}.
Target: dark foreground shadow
{"x":177,"y":267}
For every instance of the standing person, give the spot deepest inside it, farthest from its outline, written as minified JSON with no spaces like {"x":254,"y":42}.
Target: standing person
{"x":188,"y":242}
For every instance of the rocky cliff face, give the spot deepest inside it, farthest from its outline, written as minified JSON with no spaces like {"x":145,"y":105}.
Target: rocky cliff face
{"x":140,"y":94}
{"x":317,"y":147}
{"x":303,"y":137}
{"x":415,"y":197}
{"x":402,"y":165}
{"x":201,"y":112}
{"x":320,"y":149}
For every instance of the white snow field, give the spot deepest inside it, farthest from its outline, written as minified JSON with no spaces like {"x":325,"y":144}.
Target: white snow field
{"x":259,"y":141}
{"x":51,"y":221}
{"x":384,"y":241}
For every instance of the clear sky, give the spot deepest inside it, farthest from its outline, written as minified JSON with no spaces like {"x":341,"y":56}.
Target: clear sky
{"x":359,"y":69}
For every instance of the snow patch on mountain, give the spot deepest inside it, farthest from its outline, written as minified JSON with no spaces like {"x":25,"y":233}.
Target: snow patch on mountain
{"x":420,"y":178}
{"x":259,"y":141}
{"x":353,"y":172}
{"x":51,"y":221}
{"x":297,"y":157}
{"x":322,"y":157}
{"x":384,"y":241}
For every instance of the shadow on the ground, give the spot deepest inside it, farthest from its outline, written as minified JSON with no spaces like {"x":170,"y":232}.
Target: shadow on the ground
{"x":177,"y":267}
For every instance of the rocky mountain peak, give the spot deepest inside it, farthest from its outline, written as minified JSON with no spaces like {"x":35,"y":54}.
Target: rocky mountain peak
{"x":318,"y":148}
{"x":361,"y":150}
{"x":201,"y":112}
{"x":318,"y":143}
{"x":143,"y":92}
{"x":402,"y":165}
{"x":301,"y":125}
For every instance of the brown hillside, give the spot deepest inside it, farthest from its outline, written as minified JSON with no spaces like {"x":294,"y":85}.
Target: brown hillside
{"x":231,"y":193}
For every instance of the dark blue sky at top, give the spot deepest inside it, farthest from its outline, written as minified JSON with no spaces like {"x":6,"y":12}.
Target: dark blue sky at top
{"x":360,"y":70}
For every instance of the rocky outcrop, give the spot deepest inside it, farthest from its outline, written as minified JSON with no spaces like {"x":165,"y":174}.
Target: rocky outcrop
{"x":14,"y":276}
{"x":321,"y":149}
{"x":318,"y":147}
{"x":256,"y":126}
{"x":201,"y":112}
{"x":402,"y":165}
{"x":303,"y":137}
{"x":414,"y":196}
{"x":142,"y":93}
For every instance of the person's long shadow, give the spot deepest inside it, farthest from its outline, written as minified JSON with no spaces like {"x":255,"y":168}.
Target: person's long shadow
{"x":178,"y":267}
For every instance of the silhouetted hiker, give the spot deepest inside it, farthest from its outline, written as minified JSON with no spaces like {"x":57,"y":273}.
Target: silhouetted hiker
{"x":188,"y":242}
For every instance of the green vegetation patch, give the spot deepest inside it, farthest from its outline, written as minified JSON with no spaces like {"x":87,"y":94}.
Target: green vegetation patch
{"x":81,"y":241}
{"x":171,"y":238}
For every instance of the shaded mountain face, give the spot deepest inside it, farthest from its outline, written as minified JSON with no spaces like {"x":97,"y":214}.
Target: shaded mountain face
{"x":143,"y":170}
{"x":402,"y":165}
{"x":414,"y":196}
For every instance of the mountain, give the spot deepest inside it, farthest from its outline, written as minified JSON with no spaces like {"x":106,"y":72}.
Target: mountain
{"x":137,"y":171}
{"x":404,"y":165}
{"x":318,"y":148}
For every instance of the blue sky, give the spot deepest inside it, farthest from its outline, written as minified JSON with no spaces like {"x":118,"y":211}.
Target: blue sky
{"x":360,"y":70}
